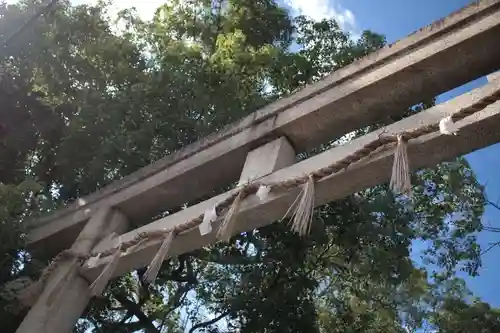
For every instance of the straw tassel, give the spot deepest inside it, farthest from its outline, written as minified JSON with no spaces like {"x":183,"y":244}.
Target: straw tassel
{"x":155,"y":265}
{"x":101,"y":282}
{"x":226,"y":228}
{"x":400,"y":179}
{"x":304,"y":208}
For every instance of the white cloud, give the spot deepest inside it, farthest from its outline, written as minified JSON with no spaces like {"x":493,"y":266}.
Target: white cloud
{"x":324,"y":9}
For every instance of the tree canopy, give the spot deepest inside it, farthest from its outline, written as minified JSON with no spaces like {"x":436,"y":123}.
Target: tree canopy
{"x":127,"y":92}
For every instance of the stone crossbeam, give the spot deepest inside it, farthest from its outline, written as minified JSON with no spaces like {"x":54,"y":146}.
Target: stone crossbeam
{"x":476,"y":131}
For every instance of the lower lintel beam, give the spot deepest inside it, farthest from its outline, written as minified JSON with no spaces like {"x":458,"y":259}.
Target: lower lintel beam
{"x":475,"y":132}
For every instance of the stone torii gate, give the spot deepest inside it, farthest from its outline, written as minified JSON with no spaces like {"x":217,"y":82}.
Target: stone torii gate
{"x":260,"y":152}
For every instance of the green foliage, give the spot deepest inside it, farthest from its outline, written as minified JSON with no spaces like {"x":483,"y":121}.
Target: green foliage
{"x":83,"y":105}
{"x":457,"y":316}
{"x":15,"y":204}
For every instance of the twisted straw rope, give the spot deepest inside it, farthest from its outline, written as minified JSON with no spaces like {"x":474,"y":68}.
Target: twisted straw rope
{"x":252,"y":188}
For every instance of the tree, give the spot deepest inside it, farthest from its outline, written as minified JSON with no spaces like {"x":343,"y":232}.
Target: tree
{"x":130,"y":97}
{"x":455,"y":315}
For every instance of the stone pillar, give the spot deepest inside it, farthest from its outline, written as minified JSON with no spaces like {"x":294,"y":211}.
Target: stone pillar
{"x":72,"y":300}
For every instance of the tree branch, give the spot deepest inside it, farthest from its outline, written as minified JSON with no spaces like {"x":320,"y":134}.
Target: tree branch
{"x":492,"y":229}
{"x":208,"y":323}
{"x":136,"y":310}
{"x":130,"y":327}
{"x":177,"y":299}
{"x":227,"y":260}
{"x":491,"y":203}
{"x":490,"y":248}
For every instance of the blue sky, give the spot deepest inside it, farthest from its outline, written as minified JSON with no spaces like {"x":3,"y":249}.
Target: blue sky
{"x":404,"y":17}
{"x":397,"y":19}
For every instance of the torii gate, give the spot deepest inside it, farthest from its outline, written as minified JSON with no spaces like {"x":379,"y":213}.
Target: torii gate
{"x":260,"y":151}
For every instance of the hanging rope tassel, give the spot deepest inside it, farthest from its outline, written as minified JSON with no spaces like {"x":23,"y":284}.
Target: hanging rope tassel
{"x":400,"y":179}
{"x":304,"y":208}
{"x":155,"y":265}
{"x":226,"y":228}
{"x":101,"y":282}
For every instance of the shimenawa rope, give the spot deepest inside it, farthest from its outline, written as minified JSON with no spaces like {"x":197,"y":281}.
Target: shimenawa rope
{"x":302,"y":215}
